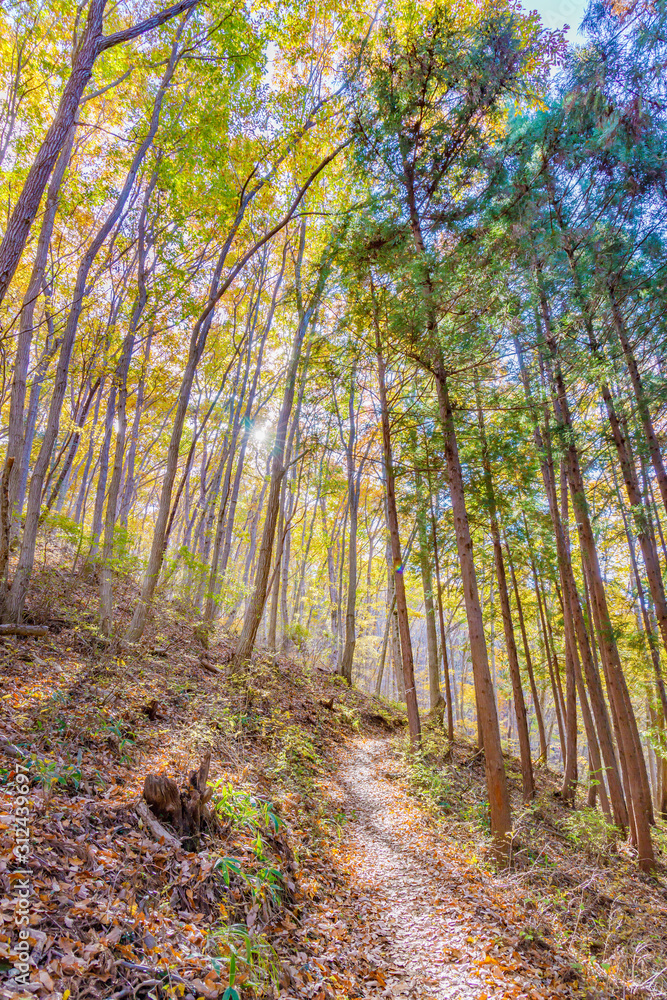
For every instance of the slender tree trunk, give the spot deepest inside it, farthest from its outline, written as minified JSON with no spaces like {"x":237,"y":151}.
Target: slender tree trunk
{"x":499,"y":804}
{"x":85,"y":472}
{"x":616,"y":683}
{"x":300,"y":587}
{"x":16,"y":597}
{"x":254,"y":524}
{"x":392,"y":623}
{"x":274,"y":589}
{"x":211,"y":598}
{"x":570,"y":775}
{"x":233,"y":503}
{"x":129,"y":488}
{"x":572,"y":613}
{"x":4,"y":516}
{"x":392,"y":516}
{"x":103,"y":467}
{"x":50,"y":348}
{"x":435,"y":695}
{"x":331,"y":570}
{"x":16,"y":438}
{"x":347,"y":657}
{"x":595,"y":769}
{"x":342,"y":549}
{"x":595,"y":778}
{"x":640,"y":395}
{"x":528,"y":780}
{"x":292,"y":499}
{"x":353,"y":490}
{"x":255,"y":608}
{"x":443,"y":637}
{"x":550,"y":664}
{"x":385,"y":636}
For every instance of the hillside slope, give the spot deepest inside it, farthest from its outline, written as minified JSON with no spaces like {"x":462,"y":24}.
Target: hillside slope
{"x":332,"y":864}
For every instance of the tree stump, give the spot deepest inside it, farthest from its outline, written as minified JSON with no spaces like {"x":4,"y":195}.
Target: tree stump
{"x":184,"y":809}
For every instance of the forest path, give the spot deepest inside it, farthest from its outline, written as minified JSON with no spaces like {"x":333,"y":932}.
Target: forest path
{"x":446,"y":929}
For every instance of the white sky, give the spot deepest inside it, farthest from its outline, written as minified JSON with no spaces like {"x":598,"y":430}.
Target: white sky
{"x":556,"y":13}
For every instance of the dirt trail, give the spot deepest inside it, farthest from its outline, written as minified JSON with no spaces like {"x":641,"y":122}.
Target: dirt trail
{"x":447,"y":933}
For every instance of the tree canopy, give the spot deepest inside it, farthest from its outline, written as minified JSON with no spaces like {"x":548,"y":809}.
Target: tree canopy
{"x":343,"y":327}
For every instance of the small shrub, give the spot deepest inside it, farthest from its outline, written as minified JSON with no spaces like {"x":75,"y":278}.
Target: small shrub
{"x":244,"y":959}
{"x":299,"y":635}
{"x":589,"y":830}
{"x":297,"y":750}
{"x":121,"y":738}
{"x":242,"y":809}
{"x":349,"y":715}
{"x":52,"y":773}
{"x":430,"y":782}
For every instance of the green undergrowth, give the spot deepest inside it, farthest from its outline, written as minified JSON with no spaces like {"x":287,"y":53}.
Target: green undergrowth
{"x":445,"y":782}
{"x":578,"y":875}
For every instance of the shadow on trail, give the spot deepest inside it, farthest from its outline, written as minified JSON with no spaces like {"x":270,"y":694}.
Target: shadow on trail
{"x":448,"y":931}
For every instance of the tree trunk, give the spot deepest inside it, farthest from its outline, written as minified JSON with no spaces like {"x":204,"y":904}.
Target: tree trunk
{"x":331,"y":570}
{"x":550,"y":664}
{"x":285,"y":562}
{"x":16,"y":597}
{"x":103,"y":471}
{"x":392,"y":623}
{"x":353,"y":490}
{"x":392,"y":517}
{"x":630,"y":744}
{"x":443,"y":637}
{"x":213,"y":585}
{"x":640,"y":395}
{"x":435,"y":695}
{"x":499,"y":804}
{"x":85,"y":471}
{"x":16,"y":438}
{"x":570,"y":774}
{"x":274,"y":588}
{"x":252,"y":545}
{"x":527,"y":777}
{"x":572,"y":614}
{"x":255,"y":608}
{"x":92,"y":43}
{"x":129,"y":488}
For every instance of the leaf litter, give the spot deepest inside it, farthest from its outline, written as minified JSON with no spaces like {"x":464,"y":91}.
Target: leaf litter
{"x":320,"y":875}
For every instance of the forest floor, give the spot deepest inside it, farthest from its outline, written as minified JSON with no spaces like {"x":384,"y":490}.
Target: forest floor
{"x":334,"y":866}
{"x":449,"y":934}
